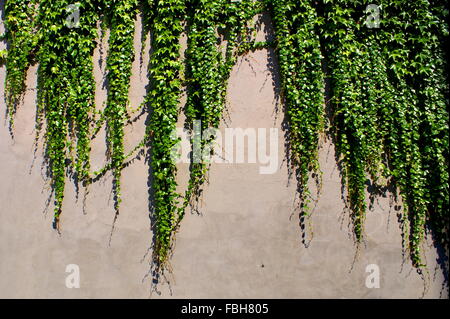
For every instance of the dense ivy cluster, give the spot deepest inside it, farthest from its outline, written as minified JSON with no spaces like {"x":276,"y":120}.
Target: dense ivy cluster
{"x":21,"y":36}
{"x":120,"y":16}
{"x":390,"y":108}
{"x":163,"y":103}
{"x":386,"y":102}
{"x":207,"y":70}
{"x":300,"y":61}
{"x":66,"y":89}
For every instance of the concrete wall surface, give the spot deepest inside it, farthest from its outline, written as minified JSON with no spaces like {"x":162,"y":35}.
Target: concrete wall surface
{"x":246,"y":243}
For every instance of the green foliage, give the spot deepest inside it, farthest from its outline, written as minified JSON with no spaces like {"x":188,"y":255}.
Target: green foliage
{"x":3,"y":55}
{"x":21,"y":37}
{"x":207,"y":72}
{"x":121,"y":16}
{"x":388,"y":103}
{"x":354,"y":124}
{"x":300,"y":61}
{"x":163,"y":103}
{"x":419,"y":69}
{"x":66,"y":89}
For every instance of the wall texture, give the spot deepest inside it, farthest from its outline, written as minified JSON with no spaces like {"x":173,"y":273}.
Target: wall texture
{"x":246,"y":243}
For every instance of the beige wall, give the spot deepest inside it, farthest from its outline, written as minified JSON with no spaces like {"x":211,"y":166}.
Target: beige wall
{"x":246,"y":243}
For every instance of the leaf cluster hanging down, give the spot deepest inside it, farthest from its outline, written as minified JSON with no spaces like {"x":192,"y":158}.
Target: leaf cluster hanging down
{"x":385,"y":107}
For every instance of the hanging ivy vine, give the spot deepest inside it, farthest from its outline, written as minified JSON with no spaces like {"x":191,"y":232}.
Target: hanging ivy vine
{"x":121,"y":15}
{"x":163,"y":103}
{"x":208,"y":70}
{"x":420,"y":68}
{"x":355,"y":123}
{"x":390,"y":121}
{"x":66,"y":90}
{"x":300,"y":62}
{"x":21,"y":37}
{"x":388,"y":96}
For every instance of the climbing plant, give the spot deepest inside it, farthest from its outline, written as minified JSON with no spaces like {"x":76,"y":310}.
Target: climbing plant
{"x":121,"y":16}
{"x":207,"y":70}
{"x":355,"y":116}
{"x":384,"y":121}
{"x":21,"y":36}
{"x":163,"y":103}
{"x":300,"y":61}
{"x":66,"y":89}
{"x":380,"y":92}
{"x":420,"y":67}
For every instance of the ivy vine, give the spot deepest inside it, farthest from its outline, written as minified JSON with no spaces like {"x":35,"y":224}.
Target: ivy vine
{"x":163,"y":107}
{"x":121,"y":15}
{"x":21,"y":37}
{"x":207,"y":72}
{"x":386,"y":108}
{"x":66,"y":90}
{"x":300,"y":61}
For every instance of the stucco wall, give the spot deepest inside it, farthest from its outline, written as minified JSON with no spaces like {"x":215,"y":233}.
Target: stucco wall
{"x":246,"y":243}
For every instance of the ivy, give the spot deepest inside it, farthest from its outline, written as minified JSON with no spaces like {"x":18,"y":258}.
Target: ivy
{"x":386,"y":108}
{"x":66,"y":90}
{"x":207,"y":71}
{"x":426,"y":190}
{"x":300,"y":62}
{"x":21,"y":37}
{"x":204,"y":82}
{"x":353,"y":116}
{"x":163,"y":100}
{"x":391,"y":110}
{"x":121,"y":16}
